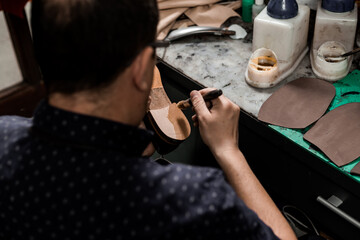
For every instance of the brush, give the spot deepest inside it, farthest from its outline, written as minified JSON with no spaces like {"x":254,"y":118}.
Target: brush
{"x":342,"y":56}
{"x":207,"y":97}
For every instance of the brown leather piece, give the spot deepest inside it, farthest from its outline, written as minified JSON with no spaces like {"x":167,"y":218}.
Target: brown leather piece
{"x":169,"y":123}
{"x":298,"y":103}
{"x":159,"y":99}
{"x":172,"y":122}
{"x":337,"y":134}
{"x":356,"y":169}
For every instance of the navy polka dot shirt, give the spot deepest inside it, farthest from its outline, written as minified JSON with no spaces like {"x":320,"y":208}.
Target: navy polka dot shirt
{"x":70,"y":176}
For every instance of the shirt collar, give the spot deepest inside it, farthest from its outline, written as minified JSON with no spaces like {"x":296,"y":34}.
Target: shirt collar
{"x":90,"y":131}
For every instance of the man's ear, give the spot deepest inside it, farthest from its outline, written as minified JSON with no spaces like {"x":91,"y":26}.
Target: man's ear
{"x":140,"y":68}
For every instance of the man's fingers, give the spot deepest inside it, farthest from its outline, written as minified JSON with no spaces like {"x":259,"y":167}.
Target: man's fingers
{"x":199,"y":104}
{"x":206,"y":90}
{"x":209,"y":105}
{"x":195,"y":120}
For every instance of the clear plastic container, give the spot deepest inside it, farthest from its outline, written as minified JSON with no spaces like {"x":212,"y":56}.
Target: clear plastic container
{"x":257,"y":7}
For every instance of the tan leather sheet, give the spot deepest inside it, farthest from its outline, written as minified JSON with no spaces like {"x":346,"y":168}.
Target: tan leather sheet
{"x":212,"y":16}
{"x":197,"y":12}
{"x":298,"y":103}
{"x":167,"y":4}
{"x":337,"y":134}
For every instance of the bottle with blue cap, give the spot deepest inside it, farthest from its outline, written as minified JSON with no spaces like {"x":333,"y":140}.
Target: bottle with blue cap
{"x":282,"y":27}
{"x":335,"y":28}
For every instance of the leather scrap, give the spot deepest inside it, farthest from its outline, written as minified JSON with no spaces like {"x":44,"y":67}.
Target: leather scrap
{"x":356,"y":170}
{"x":176,"y":14}
{"x":298,"y":103}
{"x":167,"y":4}
{"x":337,"y":134}
{"x":210,"y":15}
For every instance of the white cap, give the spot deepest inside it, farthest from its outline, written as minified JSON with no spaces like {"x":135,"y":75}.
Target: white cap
{"x":259,"y":2}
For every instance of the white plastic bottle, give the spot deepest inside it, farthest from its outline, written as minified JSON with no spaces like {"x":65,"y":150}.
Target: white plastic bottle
{"x":257,"y":7}
{"x":284,"y":31}
{"x":335,"y":25}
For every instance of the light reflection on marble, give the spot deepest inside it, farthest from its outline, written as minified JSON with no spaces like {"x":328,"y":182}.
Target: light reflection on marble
{"x":220,"y":62}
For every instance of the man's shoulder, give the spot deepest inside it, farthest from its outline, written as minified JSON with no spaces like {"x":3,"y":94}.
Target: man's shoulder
{"x":10,"y":122}
{"x":13,"y":127}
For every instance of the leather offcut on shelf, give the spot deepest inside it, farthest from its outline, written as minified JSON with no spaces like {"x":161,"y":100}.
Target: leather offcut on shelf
{"x":298,"y":103}
{"x":337,"y":134}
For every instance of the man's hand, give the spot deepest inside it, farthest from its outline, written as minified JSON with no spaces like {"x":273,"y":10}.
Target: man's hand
{"x":219,"y":125}
{"x":219,"y":130}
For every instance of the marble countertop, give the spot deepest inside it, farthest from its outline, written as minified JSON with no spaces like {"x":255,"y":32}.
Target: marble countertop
{"x":221,"y":62}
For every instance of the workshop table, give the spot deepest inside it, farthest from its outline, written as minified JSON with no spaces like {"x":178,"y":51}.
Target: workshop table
{"x":285,"y":163}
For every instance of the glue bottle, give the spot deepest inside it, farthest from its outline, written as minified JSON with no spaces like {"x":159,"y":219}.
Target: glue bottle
{"x":247,"y":10}
{"x":335,"y":23}
{"x":282,"y":27}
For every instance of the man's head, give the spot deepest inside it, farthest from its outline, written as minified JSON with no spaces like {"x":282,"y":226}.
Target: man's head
{"x":85,"y":44}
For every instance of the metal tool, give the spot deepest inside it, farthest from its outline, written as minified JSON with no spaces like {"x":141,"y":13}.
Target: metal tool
{"x":342,"y":56}
{"x":183,"y":32}
{"x":207,"y":97}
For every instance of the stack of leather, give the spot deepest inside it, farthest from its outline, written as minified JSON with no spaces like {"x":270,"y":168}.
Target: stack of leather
{"x":175,"y":14}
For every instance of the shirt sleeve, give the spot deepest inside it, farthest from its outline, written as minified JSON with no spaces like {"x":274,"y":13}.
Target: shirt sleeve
{"x":214,"y":211}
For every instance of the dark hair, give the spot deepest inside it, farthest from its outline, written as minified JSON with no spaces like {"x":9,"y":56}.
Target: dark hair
{"x":84,"y":44}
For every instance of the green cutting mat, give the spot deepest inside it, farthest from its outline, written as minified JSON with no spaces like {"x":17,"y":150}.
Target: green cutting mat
{"x":347,"y":91}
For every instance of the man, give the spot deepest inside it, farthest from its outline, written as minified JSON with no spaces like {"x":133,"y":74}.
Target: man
{"x":76,"y":171}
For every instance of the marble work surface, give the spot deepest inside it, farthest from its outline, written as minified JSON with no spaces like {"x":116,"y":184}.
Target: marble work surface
{"x":221,"y":62}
